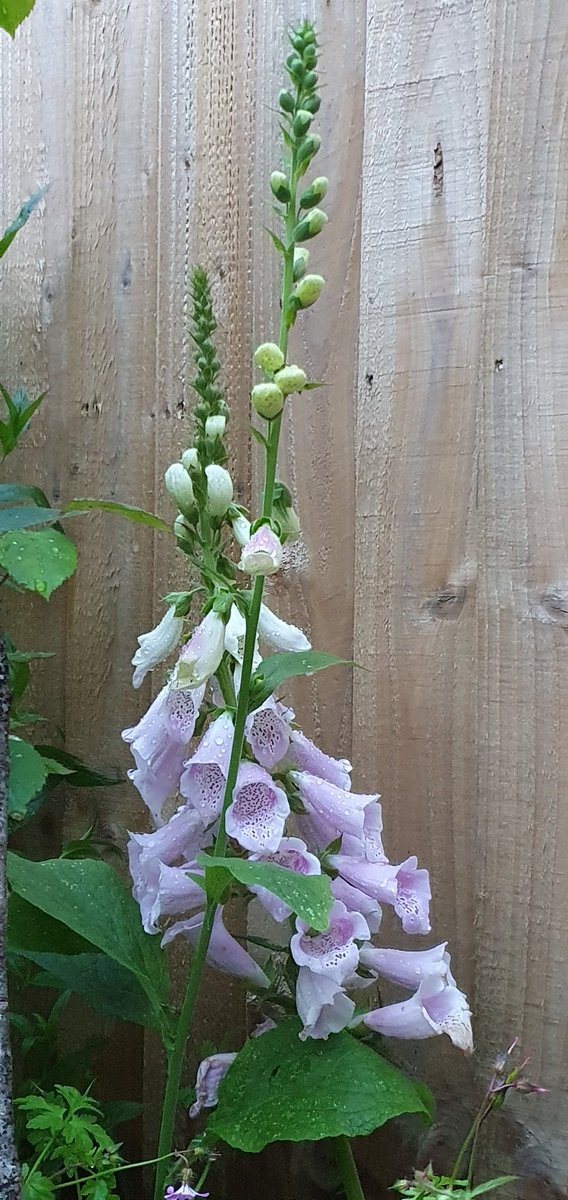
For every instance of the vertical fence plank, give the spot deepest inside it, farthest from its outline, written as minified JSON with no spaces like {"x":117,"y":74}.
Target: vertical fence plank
{"x":460,"y":545}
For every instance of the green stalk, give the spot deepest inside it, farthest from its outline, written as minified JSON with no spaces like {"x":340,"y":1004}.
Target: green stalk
{"x":176,"y":1057}
{"x":350,"y":1181}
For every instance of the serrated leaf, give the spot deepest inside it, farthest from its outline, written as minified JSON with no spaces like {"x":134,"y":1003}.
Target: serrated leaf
{"x":79,"y":773}
{"x":131,"y":513}
{"x":37,"y":1186}
{"x":90,"y":898}
{"x":309,"y":896}
{"x":278,"y":667}
{"x":25,"y":516}
{"x":282,"y":1089}
{"x":9,"y":10}
{"x":39,"y":560}
{"x":27,"y":777}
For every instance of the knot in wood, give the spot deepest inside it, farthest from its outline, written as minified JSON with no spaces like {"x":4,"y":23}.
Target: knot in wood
{"x":448,"y":601}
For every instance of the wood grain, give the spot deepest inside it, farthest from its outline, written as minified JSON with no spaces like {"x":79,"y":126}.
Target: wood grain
{"x":429,"y":471}
{"x":461,"y":557}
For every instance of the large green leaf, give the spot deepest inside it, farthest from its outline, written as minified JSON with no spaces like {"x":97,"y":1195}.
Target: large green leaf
{"x":309,"y":896}
{"x":12,"y":12}
{"x":27,"y":777}
{"x":39,"y":561}
{"x":72,"y":963}
{"x":278,"y":667}
{"x":280,"y":1089}
{"x":92,"y":900}
{"x":138,"y":515}
{"x":24,"y":516}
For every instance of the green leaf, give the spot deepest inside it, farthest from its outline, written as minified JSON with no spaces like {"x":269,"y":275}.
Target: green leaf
{"x":36,"y":1186}
{"x":30,"y":929}
{"x":27,"y":777}
{"x":39,"y":561}
{"x":15,"y":493}
{"x":483,"y":1188}
{"x":138,"y":515}
{"x":90,"y":898}
{"x":276,"y":242}
{"x":108,"y":987}
{"x":16,"y":10}
{"x":282,"y":1089}
{"x":54,"y":768}
{"x":79,"y":774}
{"x":278,"y":667}
{"x":309,"y":896}
{"x":71,"y":962}
{"x":24,"y":516}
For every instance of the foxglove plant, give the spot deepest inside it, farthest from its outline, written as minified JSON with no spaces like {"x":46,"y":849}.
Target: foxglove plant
{"x":265,"y":812}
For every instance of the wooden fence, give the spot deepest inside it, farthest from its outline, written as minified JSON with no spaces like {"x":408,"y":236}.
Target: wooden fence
{"x":429,"y":471}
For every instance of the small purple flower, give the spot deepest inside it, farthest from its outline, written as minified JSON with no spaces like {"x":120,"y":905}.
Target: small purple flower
{"x":159,"y":744}
{"x":437,"y":1007}
{"x":322,"y":1005}
{"x":258,"y":813}
{"x":262,"y":554}
{"x":267,"y":732}
{"x":333,"y":953}
{"x":225,"y":953}
{"x":156,"y":646}
{"x":304,"y":755}
{"x":235,"y":632}
{"x":210,"y":1073}
{"x":331,"y":808}
{"x":165,"y":891}
{"x":370,"y":845}
{"x":203,"y":652}
{"x":292,"y":854}
{"x":357,"y":901}
{"x":408,"y":967}
{"x":279,"y":634}
{"x":184,"y":1190}
{"x":178,"y":840}
{"x":203,"y":781}
{"x":404,"y":887}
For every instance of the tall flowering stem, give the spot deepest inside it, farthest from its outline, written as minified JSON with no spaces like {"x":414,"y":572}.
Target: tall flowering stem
{"x":301,"y":150}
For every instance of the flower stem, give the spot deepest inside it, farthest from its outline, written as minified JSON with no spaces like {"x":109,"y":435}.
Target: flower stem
{"x":350,"y":1181}
{"x":176,"y":1057}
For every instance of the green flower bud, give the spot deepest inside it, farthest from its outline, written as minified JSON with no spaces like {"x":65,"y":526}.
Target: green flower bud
{"x":269,"y":357}
{"x":310,"y":225}
{"x":298,"y":42}
{"x":308,"y":147}
{"x":312,"y":104}
{"x":295,"y":66}
{"x":279,"y":186}
{"x":314,"y":193}
{"x":267,"y":399}
{"x":308,"y":34}
{"x":310,"y":55}
{"x":219,"y":489}
{"x":286,"y":102}
{"x":301,"y":260}
{"x":310,"y":80}
{"x":301,"y":122}
{"x":291,"y":379}
{"x":289,"y":524}
{"x":190,"y":459}
{"x":215,"y":426}
{"x":179,"y":487}
{"x":309,"y":289}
